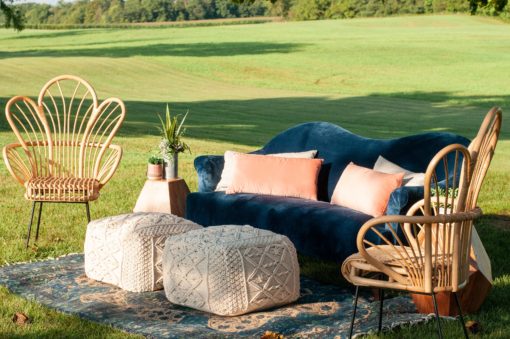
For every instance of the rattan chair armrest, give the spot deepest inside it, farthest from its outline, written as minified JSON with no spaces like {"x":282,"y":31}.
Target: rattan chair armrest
{"x":109,"y":165}
{"x":363,"y":242}
{"x":416,"y":209}
{"x":419,"y":209}
{"x":20,"y":169}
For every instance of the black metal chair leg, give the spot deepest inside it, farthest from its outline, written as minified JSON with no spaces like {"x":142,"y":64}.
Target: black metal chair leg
{"x":461,"y":318}
{"x":381,"y":300}
{"x":354,"y":311}
{"x":30,"y":224}
{"x":438,"y":321}
{"x":38,"y":221}
{"x":88,"y":211}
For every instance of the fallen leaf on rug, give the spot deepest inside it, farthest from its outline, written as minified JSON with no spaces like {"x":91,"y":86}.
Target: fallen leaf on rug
{"x":272,"y":335}
{"x":20,"y":319}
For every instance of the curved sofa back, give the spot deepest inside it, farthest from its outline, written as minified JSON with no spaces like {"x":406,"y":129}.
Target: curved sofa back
{"x":338,"y":147}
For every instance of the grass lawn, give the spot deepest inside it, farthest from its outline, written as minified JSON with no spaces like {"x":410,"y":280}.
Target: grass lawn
{"x":383,"y":77}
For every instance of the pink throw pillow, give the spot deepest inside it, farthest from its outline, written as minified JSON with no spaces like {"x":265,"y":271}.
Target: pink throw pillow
{"x":262,"y":174}
{"x":365,"y":190}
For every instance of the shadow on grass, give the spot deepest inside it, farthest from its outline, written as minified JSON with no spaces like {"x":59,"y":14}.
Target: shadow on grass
{"x":191,"y":50}
{"x":54,"y":34}
{"x":253,"y":122}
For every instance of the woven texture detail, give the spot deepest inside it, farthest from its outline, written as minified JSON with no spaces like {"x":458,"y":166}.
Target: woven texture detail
{"x":126,"y":250}
{"x":62,"y":189}
{"x":230,"y":270}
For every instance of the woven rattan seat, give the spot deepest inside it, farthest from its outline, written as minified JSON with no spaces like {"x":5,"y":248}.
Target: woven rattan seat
{"x":389,"y":255}
{"x":62,"y":189}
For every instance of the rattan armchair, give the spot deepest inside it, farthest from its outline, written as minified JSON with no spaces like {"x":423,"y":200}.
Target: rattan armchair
{"x":427,"y":253}
{"x":428,"y":250}
{"x":64,"y":152}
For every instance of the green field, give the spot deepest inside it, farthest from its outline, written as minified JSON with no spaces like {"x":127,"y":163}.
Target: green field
{"x":242,"y":84}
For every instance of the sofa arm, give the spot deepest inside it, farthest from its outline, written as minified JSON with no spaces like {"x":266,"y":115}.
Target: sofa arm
{"x":209,"y":168}
{"x":403,"y":198}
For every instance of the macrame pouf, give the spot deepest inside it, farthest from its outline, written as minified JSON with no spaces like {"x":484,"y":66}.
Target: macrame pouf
{"x":126,"y":250}
{"x":230,"y":270}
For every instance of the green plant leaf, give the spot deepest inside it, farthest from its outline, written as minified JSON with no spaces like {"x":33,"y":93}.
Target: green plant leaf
{"x":182,"y":123}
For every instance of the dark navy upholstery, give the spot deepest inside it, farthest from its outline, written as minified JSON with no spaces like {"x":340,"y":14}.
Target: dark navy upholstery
{"x":316,"y":228}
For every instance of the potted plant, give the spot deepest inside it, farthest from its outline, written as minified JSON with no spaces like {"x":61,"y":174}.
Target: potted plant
{"x":171,"y":144}
{"x":155,"y":168}
{"x":444,"y":206}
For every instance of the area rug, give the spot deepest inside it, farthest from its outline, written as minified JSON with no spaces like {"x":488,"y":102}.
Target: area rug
{"x":321,"y":311}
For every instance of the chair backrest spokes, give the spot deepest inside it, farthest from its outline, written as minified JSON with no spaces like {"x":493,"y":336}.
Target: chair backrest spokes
{"x":438,"y":262}
{"x":98,"y":136}
{"x":449,"y":195}
{"x":68,"y":104}
{"x":27,"y":122}
{"x":447,"y":244}
{"x":482,"y":150}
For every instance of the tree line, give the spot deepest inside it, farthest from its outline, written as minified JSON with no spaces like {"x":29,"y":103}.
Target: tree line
{"x":134,"y":11}
{"x":104,"y":12}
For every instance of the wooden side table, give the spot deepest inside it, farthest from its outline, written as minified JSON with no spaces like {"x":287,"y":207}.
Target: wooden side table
{"x":167,"y":196}
{"x":472,"y":296}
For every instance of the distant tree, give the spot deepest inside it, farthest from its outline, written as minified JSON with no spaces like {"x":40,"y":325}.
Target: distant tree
{"x":13,"y":16}
{"x":277,"y":7}
{"x":227,"y":8}
{"x":487,"y":6}
{"x":93,"y":12}
{"x":255,"y":8}
{"x":37,"y":13}
{"x":199,"y":9}
{"x":132,"y":9}
{"x":309,"y":9}
{"x":115,"y":13}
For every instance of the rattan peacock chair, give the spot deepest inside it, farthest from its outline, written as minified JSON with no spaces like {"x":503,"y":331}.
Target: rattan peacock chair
{"x":427,"y":253}
{"x":64,"y":152}
{"x":428,"y":250}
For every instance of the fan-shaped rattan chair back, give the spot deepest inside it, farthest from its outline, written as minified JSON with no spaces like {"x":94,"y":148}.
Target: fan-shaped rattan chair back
{"x":67,"y":134}
{"x":449,"y":195}
{"x":482,"y":150}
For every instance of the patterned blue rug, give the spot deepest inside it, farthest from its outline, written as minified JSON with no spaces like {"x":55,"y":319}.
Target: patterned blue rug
{"x":322,"y":311}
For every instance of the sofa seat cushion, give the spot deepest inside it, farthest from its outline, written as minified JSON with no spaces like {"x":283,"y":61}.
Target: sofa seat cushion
{"x":316,"y":228}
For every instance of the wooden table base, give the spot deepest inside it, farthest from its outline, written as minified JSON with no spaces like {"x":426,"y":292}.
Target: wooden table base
{"x":166,"y":196}
{"x":472,"y":296}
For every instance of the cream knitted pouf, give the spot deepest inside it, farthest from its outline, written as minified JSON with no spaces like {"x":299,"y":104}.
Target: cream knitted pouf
{"x":230,"y":270}
{"x":126,"y":250}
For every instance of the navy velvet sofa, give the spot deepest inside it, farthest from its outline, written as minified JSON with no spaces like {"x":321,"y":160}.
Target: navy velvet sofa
{"x":316,"y":228}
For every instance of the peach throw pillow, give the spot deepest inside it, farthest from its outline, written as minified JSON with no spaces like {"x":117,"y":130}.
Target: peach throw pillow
{"x":228,"y":169}
{"x":262,"y":174}
{"x":365,"y":190}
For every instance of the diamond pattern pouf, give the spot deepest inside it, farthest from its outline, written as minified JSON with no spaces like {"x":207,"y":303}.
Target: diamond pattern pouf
{"x":230,"y":270}
{"x":126,"y":250}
